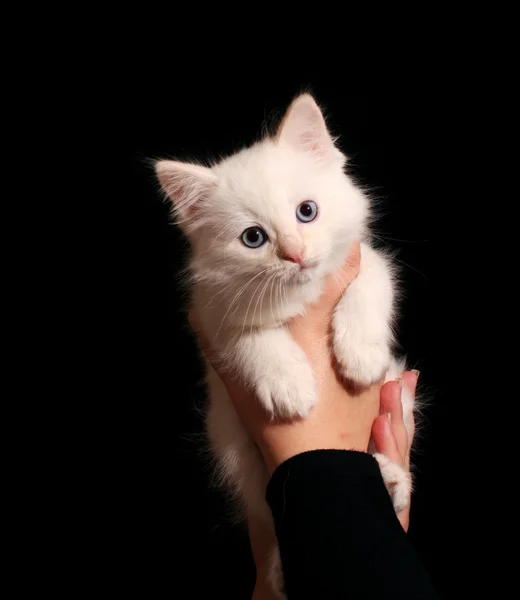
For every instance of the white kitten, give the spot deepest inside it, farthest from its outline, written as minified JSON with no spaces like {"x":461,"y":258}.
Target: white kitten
{"x":266,"y":225}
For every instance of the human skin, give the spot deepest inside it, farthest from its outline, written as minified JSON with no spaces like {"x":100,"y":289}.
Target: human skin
{"x":343,"y":419}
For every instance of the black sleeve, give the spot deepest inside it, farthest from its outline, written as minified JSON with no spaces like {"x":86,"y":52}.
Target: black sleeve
{"x":338,"y":533}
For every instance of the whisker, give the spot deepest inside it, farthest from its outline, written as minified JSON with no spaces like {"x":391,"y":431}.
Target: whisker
{"x":256,"y":305}
{"x":271,"y":303}
{"x":279,"y":293}
{"x":224,"y":289}
{"x":384,"y":237}
{"x":250,"y":301}
{"x":410,"y":267}
{"x":237,"y":295}
{"x":286,"y":295}
{"x":269,"y":286}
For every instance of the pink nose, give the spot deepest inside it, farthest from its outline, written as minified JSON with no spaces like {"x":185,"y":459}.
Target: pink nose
{"x":295,"y":258}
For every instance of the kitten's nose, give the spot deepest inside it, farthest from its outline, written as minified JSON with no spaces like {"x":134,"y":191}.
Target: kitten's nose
{"x":293,"y":257}
{"x":290,"y":248}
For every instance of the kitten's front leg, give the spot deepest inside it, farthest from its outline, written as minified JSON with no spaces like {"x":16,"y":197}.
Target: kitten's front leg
{"x":278,"y":371}
{"x":362,"y":322}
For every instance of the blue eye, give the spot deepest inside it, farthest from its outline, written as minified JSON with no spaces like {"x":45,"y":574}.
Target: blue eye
{"x":253,"y":237}
{"x":307,"y":211}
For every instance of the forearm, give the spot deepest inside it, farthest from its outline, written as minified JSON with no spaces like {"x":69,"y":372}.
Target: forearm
{"x":338,"y":533}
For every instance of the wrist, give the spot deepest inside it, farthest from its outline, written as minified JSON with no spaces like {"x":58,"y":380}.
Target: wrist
{"x":279,"y":449}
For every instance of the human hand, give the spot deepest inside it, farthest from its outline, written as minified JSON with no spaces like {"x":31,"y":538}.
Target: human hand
{"x":389,"y":433}
{"x":341,"y":419}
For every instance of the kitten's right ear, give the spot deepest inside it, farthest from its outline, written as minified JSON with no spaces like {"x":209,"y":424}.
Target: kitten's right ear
{"x":303,"y":127}
{"x":187,"y":186}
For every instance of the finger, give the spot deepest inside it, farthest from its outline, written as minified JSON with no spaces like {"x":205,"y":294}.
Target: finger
{"x":386,"y":443}
{"x":410,"y":379}
{"x":411,"y":433}
{"x":391,"y":400}
{"x":391,"y":405}
{"x":384,"y":439}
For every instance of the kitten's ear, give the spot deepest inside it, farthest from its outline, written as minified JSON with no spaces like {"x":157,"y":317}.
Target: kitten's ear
{"x":187,"y":186}
{"x":303,"y":127}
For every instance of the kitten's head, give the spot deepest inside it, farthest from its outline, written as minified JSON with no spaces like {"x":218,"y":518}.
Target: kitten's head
{"x":281,"y":210}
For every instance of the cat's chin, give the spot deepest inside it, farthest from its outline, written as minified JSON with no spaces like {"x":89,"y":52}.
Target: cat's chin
{"x":303,"y":276}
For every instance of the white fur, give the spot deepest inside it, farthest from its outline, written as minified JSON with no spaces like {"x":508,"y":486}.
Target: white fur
{"x":243,"y":297}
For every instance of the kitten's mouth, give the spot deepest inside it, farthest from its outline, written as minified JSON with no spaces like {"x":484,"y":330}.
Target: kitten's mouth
{"x":303,"y":274}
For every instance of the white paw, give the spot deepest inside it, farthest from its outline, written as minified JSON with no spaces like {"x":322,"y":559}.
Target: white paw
{"x":360,"y":360}
{"x":288,"y":395}
{"x":397,"y":481}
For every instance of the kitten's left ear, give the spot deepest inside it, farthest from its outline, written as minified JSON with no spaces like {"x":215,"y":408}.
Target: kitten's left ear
{"x":187,"y":186}
{"x":303,"y":127}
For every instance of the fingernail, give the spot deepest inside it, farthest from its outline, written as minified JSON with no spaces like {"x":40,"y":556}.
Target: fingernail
{"x":401,"y":387}
{"x":416,"y":373}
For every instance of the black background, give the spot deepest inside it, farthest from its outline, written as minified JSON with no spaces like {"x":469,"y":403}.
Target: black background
{"x":410,"y":148}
